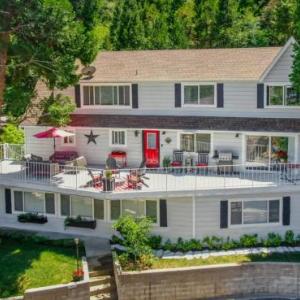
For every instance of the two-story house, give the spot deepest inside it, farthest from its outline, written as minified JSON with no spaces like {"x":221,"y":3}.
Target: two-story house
{"x":184,"y":113}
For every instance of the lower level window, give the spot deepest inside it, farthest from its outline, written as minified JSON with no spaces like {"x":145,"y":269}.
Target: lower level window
{"x":74,"y":206}
{"x":136,"y":208}
{"x":34,"y":202}
{"x":254,"y":212}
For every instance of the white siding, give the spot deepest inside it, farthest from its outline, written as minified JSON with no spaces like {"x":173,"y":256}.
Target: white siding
{"x":208,"y":218}
{"x":94,"y":153}
{"x":281,"y":70}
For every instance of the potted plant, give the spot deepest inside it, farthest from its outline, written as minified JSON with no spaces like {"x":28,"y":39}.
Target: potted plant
{"x":166,"y":162}
{"x":80,"y":222}
{"x":108,"y":181}
{"x":32,"y":218}
{"x":282,"y":156}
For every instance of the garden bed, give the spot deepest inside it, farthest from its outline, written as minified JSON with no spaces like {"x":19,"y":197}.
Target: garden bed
{"x":32,"y":218}
{"x":28,"y":261}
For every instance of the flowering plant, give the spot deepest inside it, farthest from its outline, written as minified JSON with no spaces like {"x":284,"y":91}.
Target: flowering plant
{"x":78,"y":275}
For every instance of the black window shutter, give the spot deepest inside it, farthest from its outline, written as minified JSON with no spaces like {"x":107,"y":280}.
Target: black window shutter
{"x":220,"y":95}
{"x":8,"y":208}
{"x":65,"y":205}
{"x":286,"y":211}
{"x":224,"y":214}
{"x":77,"y":95}
{"x":260,"y":95}
{"x":177,"y":95}
{"x":135,"y":96}
{"x":268,"y":91}
{"x":163,"y":213}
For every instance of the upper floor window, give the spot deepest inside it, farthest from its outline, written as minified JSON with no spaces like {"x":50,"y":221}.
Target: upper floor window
{"x":282,"y":95}
{"x":107,"y":95}
{"x":199,"y":94}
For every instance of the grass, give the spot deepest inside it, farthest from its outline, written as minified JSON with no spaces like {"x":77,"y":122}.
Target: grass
{"x":27,"y":265}
{"x":179,"y":263}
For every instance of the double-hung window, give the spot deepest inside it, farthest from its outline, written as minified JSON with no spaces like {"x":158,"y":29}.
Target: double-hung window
{"x":118,"y":138}
{"x":249,"y":212}
{"x":282,"y":95}
{"x":106,"y":95}
{"x":74,"y":206}
{"x":199,"y":94}
{"x":34,"y":202}
{"x":69,"y":140}
{"x":135,"y":208}
{"x":195,"y":142}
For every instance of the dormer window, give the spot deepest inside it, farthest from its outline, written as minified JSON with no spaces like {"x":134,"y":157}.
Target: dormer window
{"x":199,"y":94}
{"x":106,"y":95}
{"x":282,"y":95}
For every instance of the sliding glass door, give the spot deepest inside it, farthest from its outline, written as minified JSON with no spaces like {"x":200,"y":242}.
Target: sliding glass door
{"x":267,"y":150}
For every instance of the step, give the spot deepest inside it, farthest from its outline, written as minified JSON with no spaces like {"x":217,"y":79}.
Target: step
{"x":101,"y":272}
{"x":101,"y":280}
{"x":101,"y":267}
{"x":106,"y":296}
{"x":102,"y":289}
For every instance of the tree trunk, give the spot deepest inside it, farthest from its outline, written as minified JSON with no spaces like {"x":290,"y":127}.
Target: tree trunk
{"x":4,"y":40}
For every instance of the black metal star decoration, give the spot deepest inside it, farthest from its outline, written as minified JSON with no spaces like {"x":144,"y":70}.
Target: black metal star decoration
{"x":92,"y":137}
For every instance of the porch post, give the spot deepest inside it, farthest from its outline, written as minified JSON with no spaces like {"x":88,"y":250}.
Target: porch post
{"x":194,"y":216}
{"x":296,"y":149}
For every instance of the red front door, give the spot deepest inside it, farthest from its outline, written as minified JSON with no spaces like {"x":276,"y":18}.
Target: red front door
{"x":151,"y":148}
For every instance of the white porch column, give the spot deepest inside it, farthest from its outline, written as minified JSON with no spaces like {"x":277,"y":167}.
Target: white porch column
{"x":297,"y":155}
{"x":194,"y":217}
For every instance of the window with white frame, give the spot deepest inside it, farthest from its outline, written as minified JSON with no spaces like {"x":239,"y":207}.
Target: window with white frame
{"x":69,"y":140}
{"x":136,"y":208}
{"x":282,"y":95}
{"x":249,"y":212}
{"x":118,"y":138}
{"x":34,"y":202}
{"x":199,"y":94}
{"x":195,"y":142}
{"x":74,"y":206}
{"x":106,"y":95}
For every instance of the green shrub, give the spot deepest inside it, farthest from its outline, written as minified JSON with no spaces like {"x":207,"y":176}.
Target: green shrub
{"x":195,"y":245}
{"x":249,"y":240}
{"x":116,"y":240}
{"x":169,"y":246}
{"x":273,"y":240}
{"x":230,"y":244}
{"x":213,"y":242}
{"x":289,"y":238}
{"x":155,"y":241}
{"x":11,"y":134}
{"x":136,"y":234}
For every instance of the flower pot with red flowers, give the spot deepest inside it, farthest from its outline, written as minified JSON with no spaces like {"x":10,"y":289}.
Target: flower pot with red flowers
{"x":78,"y":275}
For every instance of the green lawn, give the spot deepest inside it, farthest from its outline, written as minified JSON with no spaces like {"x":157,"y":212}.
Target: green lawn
{"x":27,"y":264}
{"x":177,"y":263}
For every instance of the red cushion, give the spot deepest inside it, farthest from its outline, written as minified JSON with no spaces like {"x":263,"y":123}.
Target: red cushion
{"x":201,"y":165}
{"x":176,"y":163}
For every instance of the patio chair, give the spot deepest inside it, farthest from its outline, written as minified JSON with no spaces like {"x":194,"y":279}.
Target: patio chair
{"x":225,"y":163}
{"x":202,"y":163}
{"x":177,"y":160}
{"x":96,"y":181}
{"x":74,"y":166}
{"x":134,"y":181}
{"x":141,"y":171}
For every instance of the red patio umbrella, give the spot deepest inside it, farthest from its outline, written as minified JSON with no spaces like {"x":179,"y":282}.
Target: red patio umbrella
{"x":53,"y":133}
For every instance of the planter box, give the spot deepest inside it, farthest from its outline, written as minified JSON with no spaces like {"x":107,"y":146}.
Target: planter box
{"x":91,"y":224}
{"x":108,"y":184}
{"x":32,"y":218}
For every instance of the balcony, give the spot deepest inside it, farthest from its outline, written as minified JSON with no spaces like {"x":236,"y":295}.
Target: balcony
{"x":49,"y":176}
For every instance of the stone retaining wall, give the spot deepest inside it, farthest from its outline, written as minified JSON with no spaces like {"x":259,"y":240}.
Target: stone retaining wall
{"x":71,"y":291}
{"x":210,"y":282}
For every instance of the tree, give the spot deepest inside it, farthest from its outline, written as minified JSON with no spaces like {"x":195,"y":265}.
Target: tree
{"x":11,"y":134}
{"x":44,"y":38}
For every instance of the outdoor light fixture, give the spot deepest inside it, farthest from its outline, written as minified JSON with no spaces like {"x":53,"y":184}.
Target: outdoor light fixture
{"x":137,"y":133}
{"x":237,"y":135}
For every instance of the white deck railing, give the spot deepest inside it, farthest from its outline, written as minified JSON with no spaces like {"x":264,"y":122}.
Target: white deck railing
{"x":154,"y":179}
{"x":12,"y":151}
